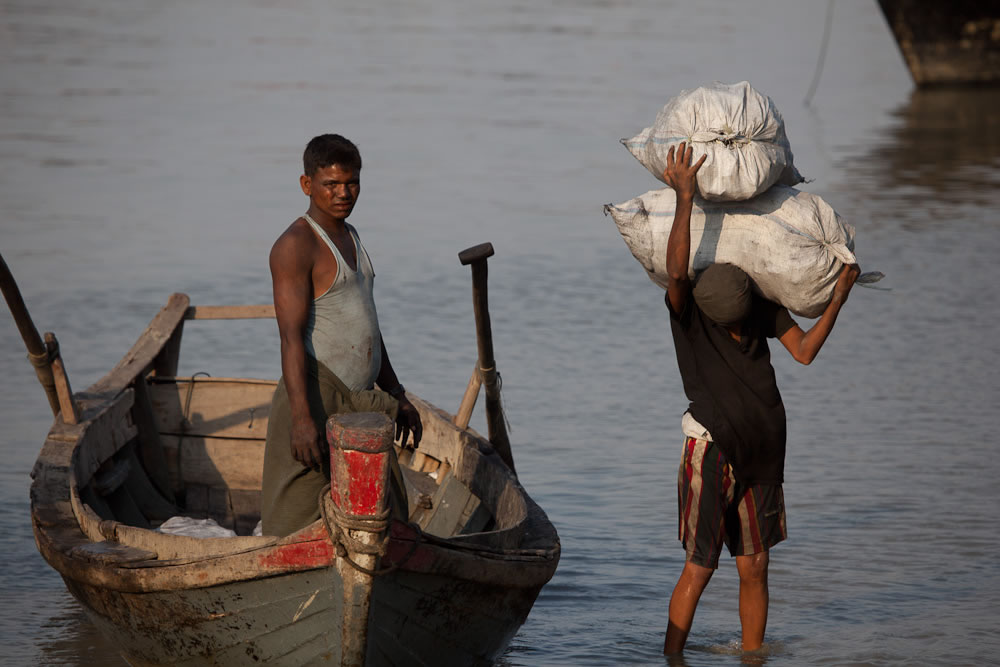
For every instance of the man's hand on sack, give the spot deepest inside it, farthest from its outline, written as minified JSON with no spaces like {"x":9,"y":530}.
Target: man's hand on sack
{"x":680,"y":173}
{"x":845,"y":282}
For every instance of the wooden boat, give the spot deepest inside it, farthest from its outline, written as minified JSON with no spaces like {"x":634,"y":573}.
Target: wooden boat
{"x":947,"y":43}
{"x":450,"y":587}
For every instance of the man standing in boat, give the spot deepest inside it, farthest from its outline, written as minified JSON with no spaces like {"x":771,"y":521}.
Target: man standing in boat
{"x":731,"y":472}
{"x":332,"y":352}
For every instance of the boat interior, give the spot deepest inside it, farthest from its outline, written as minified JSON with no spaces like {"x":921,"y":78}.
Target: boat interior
{"x":169,"y":446}
{"x":211,"y":434}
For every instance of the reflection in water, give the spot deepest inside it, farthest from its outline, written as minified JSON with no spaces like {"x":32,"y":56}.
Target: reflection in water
{"x":73,"y":640}
{"x":943,"y":144}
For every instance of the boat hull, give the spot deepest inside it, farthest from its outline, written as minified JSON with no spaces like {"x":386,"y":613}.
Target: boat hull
{"x":451,"y":587}
{"x":296,"y":620}
{"x":947,"y":43}
{"x":263,"y":621}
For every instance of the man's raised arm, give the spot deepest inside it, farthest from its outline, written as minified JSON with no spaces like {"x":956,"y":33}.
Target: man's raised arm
{"x":291,"y":277}
{"x":680,"y":175}
{"x":804,"y":346}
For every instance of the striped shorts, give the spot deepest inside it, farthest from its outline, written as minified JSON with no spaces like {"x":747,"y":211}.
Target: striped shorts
{"x":715,"y":509}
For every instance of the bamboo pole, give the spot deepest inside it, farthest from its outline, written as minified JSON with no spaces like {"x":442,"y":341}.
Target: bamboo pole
{"x":38,"y":354}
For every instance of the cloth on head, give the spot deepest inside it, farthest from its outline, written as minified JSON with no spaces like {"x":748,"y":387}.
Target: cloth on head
{"x":723,"y":292}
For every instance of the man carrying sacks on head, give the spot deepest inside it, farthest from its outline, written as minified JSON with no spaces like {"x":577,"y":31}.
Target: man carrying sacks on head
{"x":332,"y":352}
{"x":729,"y":483}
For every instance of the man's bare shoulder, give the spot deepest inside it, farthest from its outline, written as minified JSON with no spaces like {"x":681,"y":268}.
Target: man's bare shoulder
{"x":296,"y":239}
{"x":295,"y":246}
{"x":297,"y":234}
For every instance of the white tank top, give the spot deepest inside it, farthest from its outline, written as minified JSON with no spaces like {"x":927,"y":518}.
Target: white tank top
{"x":342,"y":330}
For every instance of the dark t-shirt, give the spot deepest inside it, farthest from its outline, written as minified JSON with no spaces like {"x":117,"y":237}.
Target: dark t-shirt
{"x":732,"y":388}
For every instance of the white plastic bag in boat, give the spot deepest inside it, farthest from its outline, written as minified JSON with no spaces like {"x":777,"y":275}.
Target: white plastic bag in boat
{"x":791,"y":243}
{"x":185,"y":525}
{"x":738,"y":128}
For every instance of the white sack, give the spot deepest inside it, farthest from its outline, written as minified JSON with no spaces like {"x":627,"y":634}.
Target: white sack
{"x":185,"y":525}
{"x":738,"y":128}
{"x":791,"y":243}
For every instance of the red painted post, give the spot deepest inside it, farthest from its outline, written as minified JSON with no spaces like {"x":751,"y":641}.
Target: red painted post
{"x":360,"y":445}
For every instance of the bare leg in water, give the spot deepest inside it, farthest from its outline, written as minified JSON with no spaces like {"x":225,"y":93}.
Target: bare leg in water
{"x":753,"y":602}
{"x":683,"y":603}
{"x":753,"y":598}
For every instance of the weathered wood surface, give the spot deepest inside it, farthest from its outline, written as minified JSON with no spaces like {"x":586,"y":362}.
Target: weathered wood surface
{"x":168,"y":358}
{"x":232,"y":462}
{"x":139,"y":360}
{"x":360,"y":446}
{"x":947,"y":43}
{"x":454,"y":510}
{"x":152,"y":503}
{"x":472,"y":459}
{"x":232,"y":624}
{"x":52,"y":478}
{"x":169,"y":599}
{"x":219,"y":407}
{"x":468,"y":403}
{"x":477,"y":257}
{"x":151,"y":451}
{"x":67,"y":406}
{"x":462,"y":624}
{"x":101,"y":436}
{"x":262,"y":311}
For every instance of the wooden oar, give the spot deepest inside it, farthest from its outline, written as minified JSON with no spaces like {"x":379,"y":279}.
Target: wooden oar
{"x":476,"y":257}
{"x":37,"y":352}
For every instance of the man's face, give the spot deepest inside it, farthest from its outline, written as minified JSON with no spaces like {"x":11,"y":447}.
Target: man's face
{"x":333,"y":190}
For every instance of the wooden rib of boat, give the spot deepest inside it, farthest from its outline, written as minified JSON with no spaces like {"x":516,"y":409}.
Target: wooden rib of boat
{"x":947,"y":43}
{"x":452,"y":586}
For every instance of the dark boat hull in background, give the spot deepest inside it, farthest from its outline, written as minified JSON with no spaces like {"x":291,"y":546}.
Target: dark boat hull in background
{"x":954,"y":42}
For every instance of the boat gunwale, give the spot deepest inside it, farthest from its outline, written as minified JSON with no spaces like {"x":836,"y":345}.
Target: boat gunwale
{"x":59,"y":532}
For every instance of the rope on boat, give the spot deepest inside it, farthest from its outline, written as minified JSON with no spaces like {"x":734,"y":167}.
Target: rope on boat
{"x":345,"y":544}
{"x":185,"y":418}
{"x":42,"y":360}
{"x":503,"y":405}
{"x":483,"y":374}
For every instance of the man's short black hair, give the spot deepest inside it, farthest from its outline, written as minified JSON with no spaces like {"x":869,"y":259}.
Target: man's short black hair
{"x":330,"y":149}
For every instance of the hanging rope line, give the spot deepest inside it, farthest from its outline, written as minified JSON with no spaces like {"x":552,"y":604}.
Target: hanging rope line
{"x":822,"y":53}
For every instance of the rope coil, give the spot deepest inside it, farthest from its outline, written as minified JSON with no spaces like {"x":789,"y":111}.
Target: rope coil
{"x":40,"y":360}
{"x":340,"y":522}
